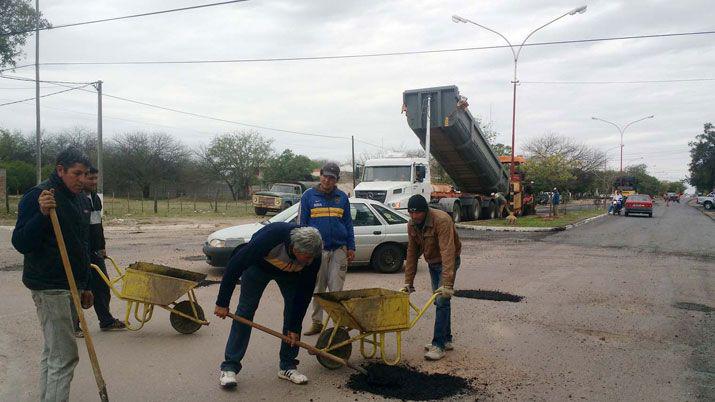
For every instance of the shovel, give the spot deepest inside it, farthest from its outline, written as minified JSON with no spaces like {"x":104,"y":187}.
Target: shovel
{"x":311,"y":349}
{"x":78,"y":306}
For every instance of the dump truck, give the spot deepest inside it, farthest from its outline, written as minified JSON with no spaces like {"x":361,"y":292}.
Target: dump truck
{"x":457,"y":143}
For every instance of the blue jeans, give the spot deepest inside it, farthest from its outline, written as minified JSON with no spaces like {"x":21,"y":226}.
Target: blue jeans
{"x":442,"y":320}
{"x":253,"y":282}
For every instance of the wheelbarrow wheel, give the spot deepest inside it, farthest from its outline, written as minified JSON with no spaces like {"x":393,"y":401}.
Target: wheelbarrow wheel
{"x":184,"y":325}
{"x":342,"y":352}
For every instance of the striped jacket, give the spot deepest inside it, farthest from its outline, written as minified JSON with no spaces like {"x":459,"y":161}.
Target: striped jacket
{"x":330,"y":214}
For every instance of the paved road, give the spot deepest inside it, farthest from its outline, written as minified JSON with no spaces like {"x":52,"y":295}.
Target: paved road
{"x":600,"y":322}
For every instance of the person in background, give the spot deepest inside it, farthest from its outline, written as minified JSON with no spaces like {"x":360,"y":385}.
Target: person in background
{"x":555,"y":201}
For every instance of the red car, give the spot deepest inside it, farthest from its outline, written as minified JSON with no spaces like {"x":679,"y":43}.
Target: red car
{"x":639,"y":204}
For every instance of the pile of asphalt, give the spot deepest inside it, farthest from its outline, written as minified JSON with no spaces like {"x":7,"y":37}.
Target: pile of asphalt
{"x":408,"y":384}
{"x":206,"y":282}
{"x":494,"y":295}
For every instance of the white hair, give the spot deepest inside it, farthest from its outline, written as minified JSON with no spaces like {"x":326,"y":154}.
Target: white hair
{"x":306,"y":240}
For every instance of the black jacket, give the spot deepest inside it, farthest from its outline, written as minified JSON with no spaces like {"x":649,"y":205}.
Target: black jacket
{"x":33,"y":236}
{"x":93,"y":205}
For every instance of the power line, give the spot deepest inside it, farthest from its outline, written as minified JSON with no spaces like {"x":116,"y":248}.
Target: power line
{"x":619,"y":82}
{"x":26,"y":79}
{"x":43,"y":96}
{"x":366,"y":55}
{"x":121,"y":18}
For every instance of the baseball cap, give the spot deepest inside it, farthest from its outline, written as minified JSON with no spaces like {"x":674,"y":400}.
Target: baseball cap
{"x":330,"y":169}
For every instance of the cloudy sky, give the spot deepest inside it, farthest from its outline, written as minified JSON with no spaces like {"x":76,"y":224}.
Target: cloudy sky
{"x":363,"y":96}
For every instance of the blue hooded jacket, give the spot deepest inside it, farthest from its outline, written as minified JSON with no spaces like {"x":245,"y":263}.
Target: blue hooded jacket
{"x":330,"y":214}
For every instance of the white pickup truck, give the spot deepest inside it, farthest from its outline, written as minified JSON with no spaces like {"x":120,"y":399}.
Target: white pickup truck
{"x":707,"y":201}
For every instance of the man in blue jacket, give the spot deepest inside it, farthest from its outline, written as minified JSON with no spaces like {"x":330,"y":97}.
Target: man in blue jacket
{"x":283,"y":252}
{"x":43,"y":272}
{"x":327,"y":209}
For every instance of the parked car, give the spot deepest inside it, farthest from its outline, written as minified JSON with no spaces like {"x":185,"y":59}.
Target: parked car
{"x":281,"y":196}
{"x":639,"y":204}
{"x":672,"y":197}
{"x":380,"y":236}
{"x":707,"y":201}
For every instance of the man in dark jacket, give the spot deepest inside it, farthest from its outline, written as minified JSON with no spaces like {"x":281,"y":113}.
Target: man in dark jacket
{"x":289,"y":255}
{"x":97,"y":253}
{"x":43,"y":272}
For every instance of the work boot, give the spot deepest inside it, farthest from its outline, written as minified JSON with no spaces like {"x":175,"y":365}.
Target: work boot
{"x":316,"y":328}
{"x":434,"y":353}
{"x":228,"y":379}
{"x":293,"y":376}
{"x":447,"y":346}
{"x":116,"y":325}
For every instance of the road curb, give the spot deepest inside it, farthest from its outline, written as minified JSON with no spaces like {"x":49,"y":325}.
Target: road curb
{"x":518,"y":229}
{"x":702,"y":210}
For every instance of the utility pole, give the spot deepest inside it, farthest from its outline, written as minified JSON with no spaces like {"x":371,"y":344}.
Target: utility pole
{"x":100,"y":176}
{"x":38,"y":146}
{"x":352,"y":139}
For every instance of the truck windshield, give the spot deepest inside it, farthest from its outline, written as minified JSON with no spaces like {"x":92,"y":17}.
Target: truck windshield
{"x":283,"y":188}
{"x":387,"y":173}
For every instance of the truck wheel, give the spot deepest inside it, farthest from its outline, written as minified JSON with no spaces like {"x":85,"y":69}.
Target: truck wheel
{"x":260,"y":211}
{"x":492,"y":208}
{"x":473,"y":211}
{"x":387,"y":258}
{"x":708,"y":205}
{"x":456,"y":212}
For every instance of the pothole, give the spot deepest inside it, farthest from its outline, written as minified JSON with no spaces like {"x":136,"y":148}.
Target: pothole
{"x":693,"y":307}
{"x":194,"y":258}
{"x":494,"y":295}
{"x":409,"y":384}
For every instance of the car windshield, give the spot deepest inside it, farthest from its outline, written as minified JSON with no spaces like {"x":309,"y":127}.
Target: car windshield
{"x":392,"y":217}
{"x":283,"y":215}
{"x":282,"y":188}
{"x":387,"y":173}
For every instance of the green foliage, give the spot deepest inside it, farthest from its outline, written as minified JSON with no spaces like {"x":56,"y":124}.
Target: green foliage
{"x":21,"y":176}
{"x":237,"y":158}
{"x":549,"y":171}
{"x":16,"y":15}
{"x":15,"y":147}
{"x":671,"y":186}
{"x":288,"y":167}
{"x":501,"y":149}
{"x":645,"y":183}
{"x":702,"y":160}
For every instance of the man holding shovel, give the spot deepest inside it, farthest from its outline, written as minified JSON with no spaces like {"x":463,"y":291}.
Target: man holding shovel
{"x":289,"y":255}
{"x":43,"y":272}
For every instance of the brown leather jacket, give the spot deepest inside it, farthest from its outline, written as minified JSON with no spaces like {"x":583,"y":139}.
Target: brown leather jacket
{"x":438,"y":241}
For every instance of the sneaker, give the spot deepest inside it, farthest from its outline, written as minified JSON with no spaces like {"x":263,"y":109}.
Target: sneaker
{"x":78,"y":333}
{"x":434,"y":353}
{"x":114,"y":326}
{"x":293,"y":375}
{"x":447,"y":346}
{"x":315,"y":329}
{"x":228,"y":379}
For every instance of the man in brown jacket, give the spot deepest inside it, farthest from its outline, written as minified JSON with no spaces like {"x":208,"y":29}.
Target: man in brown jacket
{"x":432,"y":233}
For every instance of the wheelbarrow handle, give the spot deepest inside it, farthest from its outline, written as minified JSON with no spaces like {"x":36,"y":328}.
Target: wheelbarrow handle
{"x":303,"y":345}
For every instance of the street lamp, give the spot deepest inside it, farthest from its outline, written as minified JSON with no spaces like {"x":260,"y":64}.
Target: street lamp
{"x":622,"y":130}
{"x":515,"y":53}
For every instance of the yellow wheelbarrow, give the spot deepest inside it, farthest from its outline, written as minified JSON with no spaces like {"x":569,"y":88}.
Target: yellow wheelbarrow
{"x":145,"y":285}
{"x":373,"y":313}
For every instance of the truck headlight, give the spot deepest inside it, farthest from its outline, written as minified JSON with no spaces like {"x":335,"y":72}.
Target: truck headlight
{"x":277,"y":202}
{"x":395,"y":205}
{"x":255,"y":199}
{"x":217,"y":243}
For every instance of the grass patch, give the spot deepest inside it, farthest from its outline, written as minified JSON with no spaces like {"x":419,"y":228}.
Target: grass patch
{"x":539,"y":221}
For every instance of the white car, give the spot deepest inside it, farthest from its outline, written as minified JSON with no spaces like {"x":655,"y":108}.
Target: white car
{"x":707,"y":201}
{"x":380,"y":236}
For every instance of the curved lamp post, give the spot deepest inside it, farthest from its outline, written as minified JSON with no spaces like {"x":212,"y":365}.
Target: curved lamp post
{"x":516,"y":52}
{"x":622,"y":130}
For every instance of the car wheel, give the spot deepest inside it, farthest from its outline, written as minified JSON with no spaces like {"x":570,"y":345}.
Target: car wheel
{"x":260,"y":211}
{"x":708,"y":205}
{"x":650,"y":215}
{"x":625,"y":213}
{"x":387,"y":258}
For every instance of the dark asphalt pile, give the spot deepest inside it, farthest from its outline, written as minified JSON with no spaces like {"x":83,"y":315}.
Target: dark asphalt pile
{"x":494,"y":295}
{"x":407,"y":383}
{"x":206,"y":282}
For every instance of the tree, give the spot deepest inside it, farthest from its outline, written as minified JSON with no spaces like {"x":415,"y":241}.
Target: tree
{"x":21,"y":176}
{"x":237,"y":159}
{"x":702,"y":160}
{"x":146,"y":160}
{"x":501,"y":149}
{"x":549,"y":171}
{"x":671,"y":187}
{"x":645,"y":183}
{"x":16,"y":16}
{"x":15,"y":147}
{"x":288,"y":167}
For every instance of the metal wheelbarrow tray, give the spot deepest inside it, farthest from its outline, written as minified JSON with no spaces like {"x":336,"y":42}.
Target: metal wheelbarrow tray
{"x":145,"y":285}
{"x":373,"y":313}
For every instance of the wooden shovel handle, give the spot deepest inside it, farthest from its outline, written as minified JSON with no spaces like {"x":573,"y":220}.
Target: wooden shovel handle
{"x":303,"y":345}
{"x":78,"y":306}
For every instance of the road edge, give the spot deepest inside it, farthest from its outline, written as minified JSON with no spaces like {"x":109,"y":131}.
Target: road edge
{"x":701,"y":209}
{"x":517,"y":229}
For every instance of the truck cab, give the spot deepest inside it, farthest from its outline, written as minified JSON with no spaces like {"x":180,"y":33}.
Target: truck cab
{"x":393,"y":181}
{"x":279,"y":197}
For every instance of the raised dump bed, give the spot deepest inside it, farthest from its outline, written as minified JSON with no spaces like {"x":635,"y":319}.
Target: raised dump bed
{"x":456,"y":141}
